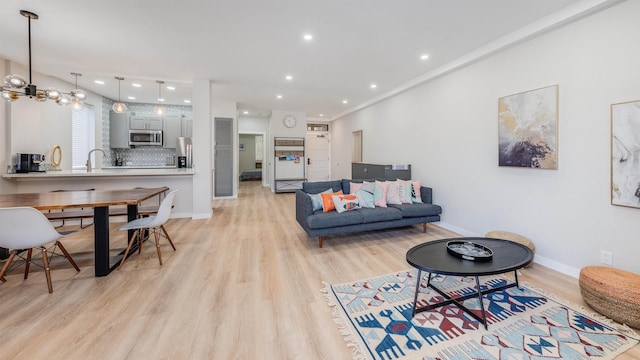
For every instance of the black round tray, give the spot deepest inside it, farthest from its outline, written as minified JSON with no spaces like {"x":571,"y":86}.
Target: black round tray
{"x":468,"y":250}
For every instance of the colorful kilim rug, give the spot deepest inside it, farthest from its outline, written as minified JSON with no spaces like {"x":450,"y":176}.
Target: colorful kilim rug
{"x":375,"y":317}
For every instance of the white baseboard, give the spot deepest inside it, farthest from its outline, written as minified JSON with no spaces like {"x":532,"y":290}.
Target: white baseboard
{"x":551,"y":264}
{"x":201,"y":216}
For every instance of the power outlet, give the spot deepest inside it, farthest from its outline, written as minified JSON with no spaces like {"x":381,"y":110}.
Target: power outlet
{"x":606,"y":257}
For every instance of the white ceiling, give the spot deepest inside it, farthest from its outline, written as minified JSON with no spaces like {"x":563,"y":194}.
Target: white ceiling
{"x":246,"y":47}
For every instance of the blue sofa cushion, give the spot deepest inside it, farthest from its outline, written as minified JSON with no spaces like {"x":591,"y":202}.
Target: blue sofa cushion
{"x":417,"y":210}
{"x":379,"y":214}
{"x":322,"y":220}
{"x":320,"y":186}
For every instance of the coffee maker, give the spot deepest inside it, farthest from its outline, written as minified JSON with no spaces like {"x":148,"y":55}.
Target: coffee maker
{"x":26,"y":163}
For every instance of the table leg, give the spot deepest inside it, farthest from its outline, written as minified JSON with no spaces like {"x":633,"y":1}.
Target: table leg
{"x":101,"y":240}
{"x":415,"y":297}
{"x":132,"y":214}
{"x":484,"y":316}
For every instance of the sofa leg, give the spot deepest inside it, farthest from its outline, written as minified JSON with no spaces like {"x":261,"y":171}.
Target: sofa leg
{"x":320,"y":241}
{"x":424,"y":227}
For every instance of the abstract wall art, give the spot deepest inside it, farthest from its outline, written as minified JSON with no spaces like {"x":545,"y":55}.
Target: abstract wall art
{"x":625,"y":154}
{"x":528,"y":129}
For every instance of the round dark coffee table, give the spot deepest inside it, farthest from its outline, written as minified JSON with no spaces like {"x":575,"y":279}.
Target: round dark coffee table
{"x":434,"y":258}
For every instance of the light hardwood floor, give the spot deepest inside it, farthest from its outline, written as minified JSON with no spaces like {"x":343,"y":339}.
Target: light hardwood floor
{"x":244,"y":284}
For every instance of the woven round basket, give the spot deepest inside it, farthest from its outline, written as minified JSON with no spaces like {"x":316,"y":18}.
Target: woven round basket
{"x":612,"y":292}
{"x":505,"y":235}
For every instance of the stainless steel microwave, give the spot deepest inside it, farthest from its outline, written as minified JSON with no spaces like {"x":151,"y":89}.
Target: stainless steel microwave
{"x":145,"y":137}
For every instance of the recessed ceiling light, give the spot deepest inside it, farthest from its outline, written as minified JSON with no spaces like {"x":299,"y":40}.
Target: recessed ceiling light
{"x":308,"y":37}
{"x":187,"y":101}
{"x":373,"y":86}
{"x":345,"y":101}
{"x":424,"y":57}
{"x":131,"y":97}
{"x":136,"y":85}
{"x":171,"y":87}
{"x":279,"y":96}
{"x":289,"y":77}
{"x":99,"y":82}
{"x":321,"y":115}
{"x":245,"y":112}
{"x":161,"y":99}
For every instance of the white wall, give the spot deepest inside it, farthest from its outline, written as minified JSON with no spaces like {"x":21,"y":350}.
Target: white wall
{"x":447,"y":129}
{"x":37,"y":127}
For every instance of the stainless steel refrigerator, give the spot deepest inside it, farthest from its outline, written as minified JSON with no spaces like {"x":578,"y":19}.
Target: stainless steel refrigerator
{"x":184,"y":152}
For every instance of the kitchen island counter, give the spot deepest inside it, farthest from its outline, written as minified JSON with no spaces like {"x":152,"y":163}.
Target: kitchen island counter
{"x":107,"y":172}
{"x":112,"y":179}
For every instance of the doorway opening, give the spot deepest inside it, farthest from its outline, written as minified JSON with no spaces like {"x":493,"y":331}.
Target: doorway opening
{"x":251,"y":157}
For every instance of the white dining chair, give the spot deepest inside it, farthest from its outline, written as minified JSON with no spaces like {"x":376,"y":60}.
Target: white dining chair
{"x":24,"y":229}
{"x":154,"y":224}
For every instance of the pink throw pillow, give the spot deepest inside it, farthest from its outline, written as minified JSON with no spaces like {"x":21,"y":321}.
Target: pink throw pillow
{"x":354,"y":187}
{"x":380,"y":195}
{"x":393,"y":193}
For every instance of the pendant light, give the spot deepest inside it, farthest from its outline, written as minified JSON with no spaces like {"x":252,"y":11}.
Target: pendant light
{"x":16,"y":86}
{"x":159,"y":108}
{"x":77,"y":95}
{"x":119,"y":107}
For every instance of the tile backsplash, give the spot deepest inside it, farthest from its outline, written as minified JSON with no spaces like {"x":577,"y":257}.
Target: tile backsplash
{"x":143,"y":155}
{"x":140,"y":155}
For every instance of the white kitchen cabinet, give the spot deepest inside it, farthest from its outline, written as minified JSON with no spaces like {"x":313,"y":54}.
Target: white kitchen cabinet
{"x":138,"y":123}
{"x":118,"y":130}
{"x":172,"y":129}
{"x":154,"y":123}
{"x":145,"y":123}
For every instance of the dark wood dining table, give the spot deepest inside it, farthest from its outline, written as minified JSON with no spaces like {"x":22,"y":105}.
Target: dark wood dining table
{"x":99,"y":200}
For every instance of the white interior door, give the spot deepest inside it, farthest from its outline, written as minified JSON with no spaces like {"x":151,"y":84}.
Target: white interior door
{"x":318,"y":157}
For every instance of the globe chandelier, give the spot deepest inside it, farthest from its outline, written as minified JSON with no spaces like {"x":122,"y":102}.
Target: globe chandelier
{"x":15,"y":85}
{"x":119,"y":107}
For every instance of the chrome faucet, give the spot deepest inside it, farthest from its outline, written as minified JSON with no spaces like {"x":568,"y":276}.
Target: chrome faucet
{"x":89,"y":158}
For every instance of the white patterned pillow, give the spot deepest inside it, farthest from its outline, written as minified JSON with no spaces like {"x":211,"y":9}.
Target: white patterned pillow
{"x":405,"y":188}
{"x":415,"y":192}
{"x":346,"y":202}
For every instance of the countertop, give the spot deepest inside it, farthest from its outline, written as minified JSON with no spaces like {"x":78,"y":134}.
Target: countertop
{"x":140,"y":167}
{"x":119,"y":171}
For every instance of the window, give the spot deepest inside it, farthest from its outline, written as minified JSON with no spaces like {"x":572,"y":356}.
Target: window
{"x":82,"y":136}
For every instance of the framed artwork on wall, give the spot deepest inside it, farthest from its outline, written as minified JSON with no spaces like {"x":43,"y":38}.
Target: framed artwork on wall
{"x":242,"y":145}
{"x":625,"y":154}
{"x":528,"y":129}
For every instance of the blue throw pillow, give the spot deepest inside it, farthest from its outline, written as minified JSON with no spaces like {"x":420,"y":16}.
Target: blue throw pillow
{"x":365,"y":199}
{"x":316,"y":199}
